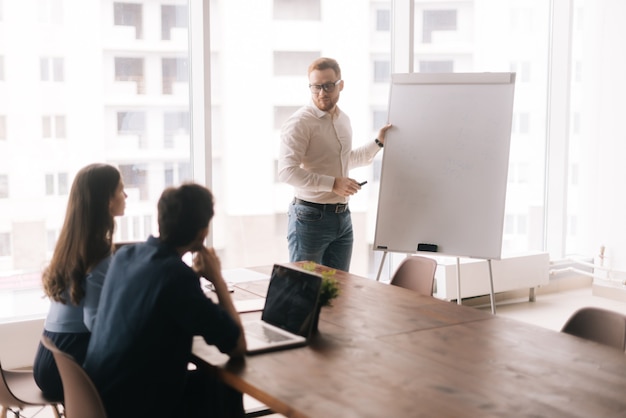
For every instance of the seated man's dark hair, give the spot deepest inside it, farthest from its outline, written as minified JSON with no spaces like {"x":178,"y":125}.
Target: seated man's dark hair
{"x":183,"y":212}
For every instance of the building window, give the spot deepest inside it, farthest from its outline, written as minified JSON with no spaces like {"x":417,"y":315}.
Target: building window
{"x":4,"y":186}
{"x":53,"y":126}
{"x":521,"y":20}
{"x":521,"y":70}
{"x":172,"y":17}
{"x":129,"y":14}
{"x":282,"y":113}
{"x":436,"y":66}
{"x":52,"y":69}
{"x":176,"y":174}
{"x":57,"y":184}
{"x":521,"y":123}
{"x":175,"y":124}
{"x":184,"y":172}
{"x":297,"y":10}
{"x":63,"y":184}
{"x":130,"y":69}
{"x":132,"y":124}
{"x":147,"y":226}
{"x":379,"y":119}
{"x":519,"y":172}
{"x":52,"y":235}
{"x":174,"y":70}
{"x":168,"y":175}
{"x":49,"y":184}
{"x":50,"y":11}
{"x":382,"y":71}
{"x":578,"y":71}
{"x":135,"y":177}
{"x":383,"y":20}
{"x":288,"y":63}
{"x":437,"y":20}
{"x":5,"y":244}
{"x":3,"y":127}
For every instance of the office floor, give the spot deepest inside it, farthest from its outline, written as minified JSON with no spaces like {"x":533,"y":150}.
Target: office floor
{"x":550,"y":311}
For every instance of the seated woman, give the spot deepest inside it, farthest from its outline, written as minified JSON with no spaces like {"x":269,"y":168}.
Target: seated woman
{"x":73,"y":279}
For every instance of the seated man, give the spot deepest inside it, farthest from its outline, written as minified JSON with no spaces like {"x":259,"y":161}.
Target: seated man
{"x":152,"y":306}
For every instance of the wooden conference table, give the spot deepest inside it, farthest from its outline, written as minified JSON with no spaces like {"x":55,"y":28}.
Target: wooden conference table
{"x":384,"y":351}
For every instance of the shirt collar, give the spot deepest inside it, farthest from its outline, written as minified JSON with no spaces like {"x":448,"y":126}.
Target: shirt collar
{"x":321,"y":113}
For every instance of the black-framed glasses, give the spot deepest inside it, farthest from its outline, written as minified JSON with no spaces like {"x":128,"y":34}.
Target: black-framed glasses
{"x":328,"y":87}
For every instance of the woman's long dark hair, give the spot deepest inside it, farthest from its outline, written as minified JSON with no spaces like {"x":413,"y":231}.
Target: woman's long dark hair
{"x":86,"y":237}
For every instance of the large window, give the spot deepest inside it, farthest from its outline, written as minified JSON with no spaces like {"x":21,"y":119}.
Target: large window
{"x":119,"y":93}
{"x":123,"y":100}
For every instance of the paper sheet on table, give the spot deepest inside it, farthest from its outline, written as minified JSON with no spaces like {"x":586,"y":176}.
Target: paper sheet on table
{"x":249,"y":305}
{"x":243,"y":275}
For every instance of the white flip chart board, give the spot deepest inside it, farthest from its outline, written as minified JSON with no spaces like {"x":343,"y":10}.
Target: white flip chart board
{"x":445,"y":164}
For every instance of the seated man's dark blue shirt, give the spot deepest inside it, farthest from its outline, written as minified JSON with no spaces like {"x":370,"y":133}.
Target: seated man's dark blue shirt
{"x":152,"y":305}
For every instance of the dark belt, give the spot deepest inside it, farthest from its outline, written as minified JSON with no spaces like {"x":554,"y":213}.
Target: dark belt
{"x":328,"y":207}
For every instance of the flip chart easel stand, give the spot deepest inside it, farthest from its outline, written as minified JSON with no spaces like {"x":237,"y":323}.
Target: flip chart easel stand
{"x":459,"y":300}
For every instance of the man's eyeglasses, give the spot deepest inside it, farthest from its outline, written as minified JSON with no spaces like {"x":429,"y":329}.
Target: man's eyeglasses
{"x":328,"y":87}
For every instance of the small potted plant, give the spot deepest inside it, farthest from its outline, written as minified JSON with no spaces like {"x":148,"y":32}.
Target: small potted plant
{"x":329,"y":291}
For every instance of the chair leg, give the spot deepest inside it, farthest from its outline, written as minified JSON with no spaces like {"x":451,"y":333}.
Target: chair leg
{"x":6,"y":410}
{"x":55,"y":411}
{"x":258,"y":412}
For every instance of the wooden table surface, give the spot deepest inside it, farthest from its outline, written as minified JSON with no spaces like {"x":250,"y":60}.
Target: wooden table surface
{"x":384,"y":351}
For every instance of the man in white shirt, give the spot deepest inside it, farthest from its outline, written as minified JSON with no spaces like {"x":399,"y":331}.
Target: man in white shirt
{"x":315,"y":157}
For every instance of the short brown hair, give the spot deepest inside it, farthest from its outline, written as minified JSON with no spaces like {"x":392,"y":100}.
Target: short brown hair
{"x":324,"y":63}
{"x":183,"y":212}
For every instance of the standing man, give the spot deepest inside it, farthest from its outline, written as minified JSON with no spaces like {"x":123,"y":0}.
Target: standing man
{"x":315,"y":157}
{"x":152,"y":306}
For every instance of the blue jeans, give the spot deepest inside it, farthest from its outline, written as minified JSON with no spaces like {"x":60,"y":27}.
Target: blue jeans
{"x":321,"y":236}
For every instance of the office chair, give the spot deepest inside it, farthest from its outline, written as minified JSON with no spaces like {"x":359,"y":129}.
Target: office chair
{"x":81,"y":396}
{"x":416,"y":273}
{"x":599,"y":325}
{"x":19,"y":390}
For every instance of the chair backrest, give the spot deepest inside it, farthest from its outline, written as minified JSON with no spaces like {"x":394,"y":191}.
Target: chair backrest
{"x":416,"y":273}
{"x":6,"y":396}
{"x":19,"y":390}
{"x":599,"y":325}
{"x":81,"y":396}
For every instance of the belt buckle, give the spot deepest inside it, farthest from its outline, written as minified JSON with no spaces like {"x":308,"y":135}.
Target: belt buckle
{"x":341,"y":207}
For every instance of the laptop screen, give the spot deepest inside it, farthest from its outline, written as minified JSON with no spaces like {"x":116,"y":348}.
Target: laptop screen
{"x":292,"y":299}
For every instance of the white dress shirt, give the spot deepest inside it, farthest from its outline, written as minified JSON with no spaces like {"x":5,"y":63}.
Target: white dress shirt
{"x":316,"y":147}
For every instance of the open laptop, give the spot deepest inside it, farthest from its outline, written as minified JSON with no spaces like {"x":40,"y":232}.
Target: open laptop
{"x":288,"y":313}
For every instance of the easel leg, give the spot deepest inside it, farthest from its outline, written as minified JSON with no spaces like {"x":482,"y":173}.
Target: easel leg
{"x":459,"y":299}
{"x":380,"y":268}
{"x":491,"y":294}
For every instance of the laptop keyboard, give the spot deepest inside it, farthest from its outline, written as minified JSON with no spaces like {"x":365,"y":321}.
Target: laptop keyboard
{"x":264,"y":333}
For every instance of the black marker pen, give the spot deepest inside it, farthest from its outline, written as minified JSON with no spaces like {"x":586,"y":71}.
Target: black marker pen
{"x":361,"y":184}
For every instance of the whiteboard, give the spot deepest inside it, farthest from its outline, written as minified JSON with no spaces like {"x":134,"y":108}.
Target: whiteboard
{"x":445,"y":164}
